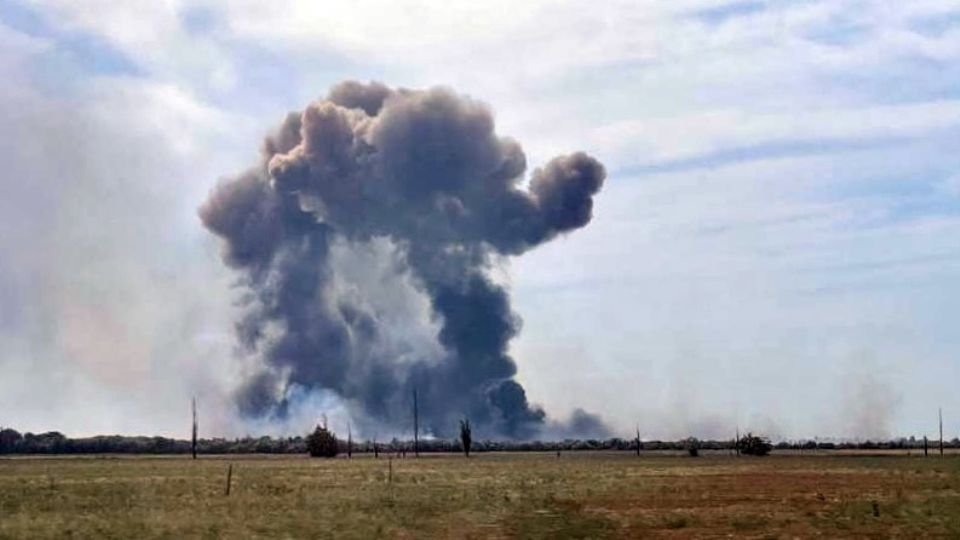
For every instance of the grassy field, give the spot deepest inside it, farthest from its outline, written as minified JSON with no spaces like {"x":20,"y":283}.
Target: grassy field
{"x":579,"y":495}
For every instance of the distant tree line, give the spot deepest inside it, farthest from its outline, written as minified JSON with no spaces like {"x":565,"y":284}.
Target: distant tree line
{"x":53,"y":442}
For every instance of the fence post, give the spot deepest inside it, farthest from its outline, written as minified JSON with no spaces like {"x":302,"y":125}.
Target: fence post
{"x":229,"y":478}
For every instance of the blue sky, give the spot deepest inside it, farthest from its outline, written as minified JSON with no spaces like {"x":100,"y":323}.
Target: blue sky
{"x":776,"y":248}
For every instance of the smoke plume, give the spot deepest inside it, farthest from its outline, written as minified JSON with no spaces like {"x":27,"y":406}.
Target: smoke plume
{"x":869,"y":402}
{"x":367,"y":202}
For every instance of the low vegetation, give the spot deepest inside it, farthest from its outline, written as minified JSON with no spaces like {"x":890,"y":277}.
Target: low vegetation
{"x":503,"y":495}
{"x":53,"y":442}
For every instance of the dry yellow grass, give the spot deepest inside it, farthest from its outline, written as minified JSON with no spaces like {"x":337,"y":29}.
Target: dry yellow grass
{"x":586,"y":495}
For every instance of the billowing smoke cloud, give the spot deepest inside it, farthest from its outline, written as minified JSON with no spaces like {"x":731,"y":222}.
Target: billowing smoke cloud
{"x":419,"y":179}
{"x":580,"y":425}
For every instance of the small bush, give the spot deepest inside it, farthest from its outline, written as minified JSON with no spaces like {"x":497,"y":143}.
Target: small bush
{"x":752,"y":445}
{"x":676,"y":522}
{"x":322,"y":443}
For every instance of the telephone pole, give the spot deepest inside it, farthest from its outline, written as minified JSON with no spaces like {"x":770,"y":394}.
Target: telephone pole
{"x":349,"y":441}
{"x":638,"y":440}
{"x":416,"y":425}
{"x":193,"y":439}
{"x":940,"y":415}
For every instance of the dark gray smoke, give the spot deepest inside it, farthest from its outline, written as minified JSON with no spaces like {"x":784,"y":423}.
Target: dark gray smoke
{"x":423,"y":173}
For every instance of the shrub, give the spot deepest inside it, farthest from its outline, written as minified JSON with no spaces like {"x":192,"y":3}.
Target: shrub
{"x":9,"y":438}
{"x":753,"y":445}
{"x":693,"y":446}
{"x":322,"y":443}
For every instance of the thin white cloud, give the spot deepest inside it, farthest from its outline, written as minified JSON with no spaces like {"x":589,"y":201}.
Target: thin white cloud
{"x":678,"y":137}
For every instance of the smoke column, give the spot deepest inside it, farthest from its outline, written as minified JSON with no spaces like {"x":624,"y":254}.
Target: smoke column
{"x":421,"y":179}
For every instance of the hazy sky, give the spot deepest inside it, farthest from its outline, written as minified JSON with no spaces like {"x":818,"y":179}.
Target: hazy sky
{"x":776,"y":246}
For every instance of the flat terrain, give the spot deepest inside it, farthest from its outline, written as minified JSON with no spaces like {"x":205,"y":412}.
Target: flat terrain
{"x":491,"y":495}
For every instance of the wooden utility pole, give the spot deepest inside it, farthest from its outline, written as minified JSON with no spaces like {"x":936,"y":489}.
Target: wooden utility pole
{"x":736,"y":441}
{"x":940,"y":415}
{"x":924,"y":446}
{"x":638,"y":440}
{"x":416,"y":425}
{"x":349,"y":441}
{"x":193,"y":439}
{"x":466,"y":436}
